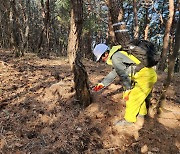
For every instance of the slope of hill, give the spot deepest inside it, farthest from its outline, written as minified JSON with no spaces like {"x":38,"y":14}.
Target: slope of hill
{"x":38,"y":113}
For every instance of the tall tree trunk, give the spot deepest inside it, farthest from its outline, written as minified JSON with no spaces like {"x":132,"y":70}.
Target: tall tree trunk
{"x":20,"y":32}
{"x":163,"y":62}
{"x":87,"y":41}
{"x":80,"y":74}
{"x":24,"y":33}
{"x":87,"y":37}
{"x":45,"y":30}
{"x":172,"y":59}
{"x":16,"y":32}
{"x":47,"y":24}
{"x":119,"y":26}
{"x":6,"y":30}
{"x":147,"y":21}
{"x":111,"y":36}
{"x":75,"y":30}
{"x":136,"y":26}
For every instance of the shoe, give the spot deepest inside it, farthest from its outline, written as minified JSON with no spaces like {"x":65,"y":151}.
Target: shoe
{"x":123,"y":123}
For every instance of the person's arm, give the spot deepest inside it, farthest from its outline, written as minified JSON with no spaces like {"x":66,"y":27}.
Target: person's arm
{"x":109,"y":78}
{"x":121,"y":70}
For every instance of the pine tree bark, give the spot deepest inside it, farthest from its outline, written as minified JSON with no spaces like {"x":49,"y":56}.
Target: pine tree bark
{"x":111,"y":37}
{"x":5,"y":30}
{"x":171,"y":64}
{"x":136,"y":26}
{"x":117,"y":23}
{"x":74,"y":53}
{"x":25,"y":28}
{"x":45,"y":30}
{"x":87,"y":36}
{"x":147,"y":21}
{"x":163,"y":62}
{"x":16,"y":30}
{"x":18,"y":23}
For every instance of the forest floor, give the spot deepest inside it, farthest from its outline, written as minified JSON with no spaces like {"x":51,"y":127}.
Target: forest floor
{"x":38,"y":114}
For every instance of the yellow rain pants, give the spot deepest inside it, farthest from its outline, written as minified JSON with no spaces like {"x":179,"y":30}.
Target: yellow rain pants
{"x":144,"y":81}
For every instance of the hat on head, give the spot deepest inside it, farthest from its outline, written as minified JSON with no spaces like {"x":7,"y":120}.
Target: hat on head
{"x":99,"y":50}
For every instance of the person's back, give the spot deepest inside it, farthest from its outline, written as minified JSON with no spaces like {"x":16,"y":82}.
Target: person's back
{"x":144,"y":51}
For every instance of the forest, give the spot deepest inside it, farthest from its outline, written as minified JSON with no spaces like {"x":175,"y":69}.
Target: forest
{"x":48,"y":72}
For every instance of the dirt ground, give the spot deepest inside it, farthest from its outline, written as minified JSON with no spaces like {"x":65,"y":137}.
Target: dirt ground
{"x":38,"y":114}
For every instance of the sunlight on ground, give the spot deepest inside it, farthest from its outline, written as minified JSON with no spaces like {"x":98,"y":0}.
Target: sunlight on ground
{"x":40,"y":115}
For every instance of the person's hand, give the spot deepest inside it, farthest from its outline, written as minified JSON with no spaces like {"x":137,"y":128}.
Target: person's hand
{"x":126,"y":95}
{"x":98,"y":87}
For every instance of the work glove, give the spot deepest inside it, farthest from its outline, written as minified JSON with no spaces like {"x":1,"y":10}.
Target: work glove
{"x":98,"y":87}
{"x":126,"y":95}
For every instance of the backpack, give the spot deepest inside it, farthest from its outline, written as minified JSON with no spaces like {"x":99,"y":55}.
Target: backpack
{"x":144,"y":51}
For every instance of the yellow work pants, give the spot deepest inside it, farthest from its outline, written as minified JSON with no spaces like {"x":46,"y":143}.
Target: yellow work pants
{"x":144,"y":81}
